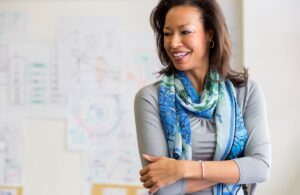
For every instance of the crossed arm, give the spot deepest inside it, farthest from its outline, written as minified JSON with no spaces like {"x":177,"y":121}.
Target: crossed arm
{"x":163,"y":171}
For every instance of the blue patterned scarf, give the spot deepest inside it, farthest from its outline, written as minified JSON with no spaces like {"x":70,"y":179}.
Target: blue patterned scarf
{"x":178,"y":98}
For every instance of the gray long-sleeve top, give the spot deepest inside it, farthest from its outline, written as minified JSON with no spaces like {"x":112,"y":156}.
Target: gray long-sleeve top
{"x":254,"y":166}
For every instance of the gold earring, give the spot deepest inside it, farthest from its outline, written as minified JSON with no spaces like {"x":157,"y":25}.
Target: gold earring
{"x":211,"y":44}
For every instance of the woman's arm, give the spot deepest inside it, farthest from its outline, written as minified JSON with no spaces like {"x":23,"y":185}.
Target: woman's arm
{"x":214,"y":171}
{"x":150,"y":134}
{"x":254,"y":167}
{"x":163,"y":171}
{"x":197,"y":185}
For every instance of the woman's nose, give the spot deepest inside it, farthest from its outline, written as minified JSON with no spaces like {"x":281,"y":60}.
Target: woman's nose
{"x":175,"y":41}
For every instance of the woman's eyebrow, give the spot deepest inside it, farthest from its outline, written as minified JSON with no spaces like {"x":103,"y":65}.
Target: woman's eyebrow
{"x":181,"y":26}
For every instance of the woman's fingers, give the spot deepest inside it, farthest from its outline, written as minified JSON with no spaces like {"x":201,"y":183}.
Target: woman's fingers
{"x":148,"y":184}
{"x":144,"y":171}
{"x":144,"y":178}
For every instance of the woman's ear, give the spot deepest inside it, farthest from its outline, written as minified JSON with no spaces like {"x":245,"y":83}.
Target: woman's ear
{"x":210,"y":34}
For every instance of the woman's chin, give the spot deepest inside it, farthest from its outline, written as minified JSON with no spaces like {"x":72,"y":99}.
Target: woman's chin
{"x":181,"y":66}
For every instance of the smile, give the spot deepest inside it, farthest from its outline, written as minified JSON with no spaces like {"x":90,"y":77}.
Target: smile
{"x":178,"y":56}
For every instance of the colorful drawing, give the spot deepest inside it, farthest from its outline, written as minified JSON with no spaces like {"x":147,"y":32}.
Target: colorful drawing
{"x":93,"y":121}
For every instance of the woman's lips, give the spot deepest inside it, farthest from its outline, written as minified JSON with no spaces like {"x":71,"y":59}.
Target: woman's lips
{"x":179,"y":57}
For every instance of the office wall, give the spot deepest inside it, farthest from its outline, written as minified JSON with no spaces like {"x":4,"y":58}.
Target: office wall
{"x":271,"y":50}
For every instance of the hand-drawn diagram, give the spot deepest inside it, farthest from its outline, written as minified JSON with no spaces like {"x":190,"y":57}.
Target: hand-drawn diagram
{"x":142,"y":60}
{"x":94,"y":121}
{"x":34,"y":78}
{"x":90,"y":49}
{"x":114,"y":166}
{"x":140,"y":67}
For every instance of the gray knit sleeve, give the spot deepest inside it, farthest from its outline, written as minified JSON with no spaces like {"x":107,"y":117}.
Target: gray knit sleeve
{"x":150,"y":134}
{"x":255,"y":165}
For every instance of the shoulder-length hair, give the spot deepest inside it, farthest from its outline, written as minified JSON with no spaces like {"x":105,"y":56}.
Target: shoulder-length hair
{"x":214,"y":20}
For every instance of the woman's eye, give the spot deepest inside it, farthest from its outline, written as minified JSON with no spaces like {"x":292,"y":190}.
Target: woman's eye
{"x":185,"y":32}
{"x":167,"y":34}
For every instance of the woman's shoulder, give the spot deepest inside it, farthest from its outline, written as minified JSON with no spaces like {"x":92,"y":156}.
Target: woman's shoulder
{"x":250,"y":87}
{"x":148,"y":92}
{"x":249,"y":93}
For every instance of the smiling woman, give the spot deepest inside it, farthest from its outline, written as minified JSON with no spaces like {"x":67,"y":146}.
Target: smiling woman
{"x":186,"y":42}
{"x":202,"y":129}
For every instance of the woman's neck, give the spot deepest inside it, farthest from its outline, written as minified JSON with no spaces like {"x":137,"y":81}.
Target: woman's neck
{"x":197,"y":78}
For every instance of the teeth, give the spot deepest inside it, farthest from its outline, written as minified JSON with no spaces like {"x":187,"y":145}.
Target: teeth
{"x":180,"y":54}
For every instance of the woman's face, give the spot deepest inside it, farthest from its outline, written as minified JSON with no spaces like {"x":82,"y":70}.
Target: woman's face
{"x":185,"y":39}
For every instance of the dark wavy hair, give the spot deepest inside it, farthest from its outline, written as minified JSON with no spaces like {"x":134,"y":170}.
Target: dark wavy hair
{"x":219,"y":55}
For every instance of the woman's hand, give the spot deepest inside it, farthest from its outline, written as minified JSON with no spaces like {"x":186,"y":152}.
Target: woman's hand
{"x":160,"y":172}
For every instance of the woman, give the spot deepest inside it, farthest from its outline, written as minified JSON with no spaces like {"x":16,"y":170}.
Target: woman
{"x":202,"y":129}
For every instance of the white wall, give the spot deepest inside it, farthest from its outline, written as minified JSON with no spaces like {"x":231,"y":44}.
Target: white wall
{"x":271,"y":50}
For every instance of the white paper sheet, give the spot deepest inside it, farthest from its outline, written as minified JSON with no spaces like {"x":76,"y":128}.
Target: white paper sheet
{"x":94,"y":120}
{"x":11,"y":152}
{"x":90,"y":49}
{"x":142,"y":64}
{"x":35,"y":80}
{"x":113,"y":166}
{"x":13,"y":25}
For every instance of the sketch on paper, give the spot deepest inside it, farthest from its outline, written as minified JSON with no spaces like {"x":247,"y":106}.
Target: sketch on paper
{"x":142,"y":61}
{"x":10,"y":150}
{"x":90,"y":49}
{"x":34,"y":79}
{"x":32,"y":75}
{"x":113,"y":166}
{"x":93,"y":120}
{"x":117,"y":164}
{"x":141,"y":66}
{"x":122,"y":164}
